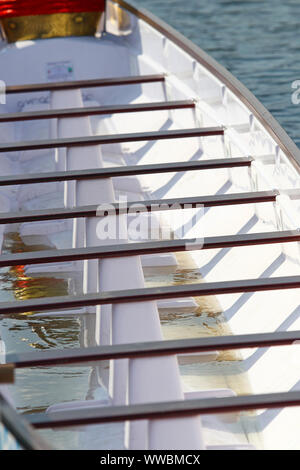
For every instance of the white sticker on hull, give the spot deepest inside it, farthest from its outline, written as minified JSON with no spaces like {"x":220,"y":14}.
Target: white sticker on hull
{"x":57,"y":71}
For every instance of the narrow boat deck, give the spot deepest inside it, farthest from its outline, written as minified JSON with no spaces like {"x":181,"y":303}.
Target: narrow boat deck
{"x":202,"y":211}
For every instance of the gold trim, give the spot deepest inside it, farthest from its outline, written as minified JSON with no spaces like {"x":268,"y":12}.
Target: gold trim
{"x":22,"y":28}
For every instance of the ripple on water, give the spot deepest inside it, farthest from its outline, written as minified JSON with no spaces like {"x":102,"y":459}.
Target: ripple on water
{"x":37,"y":388}
{"x":207,"y":320}
{"x":250,"y":38}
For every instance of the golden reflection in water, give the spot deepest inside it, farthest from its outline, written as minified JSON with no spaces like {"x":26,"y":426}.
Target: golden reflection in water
{"x":207,"y":320}
{"x":27,"y":287}
{"x":226,"y":371}
{"x":45,"y":332}
{"x":30,"y":287}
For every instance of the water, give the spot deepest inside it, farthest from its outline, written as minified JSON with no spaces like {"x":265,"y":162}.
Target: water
{"x":257,"y":41}
{"x":37,"y":388}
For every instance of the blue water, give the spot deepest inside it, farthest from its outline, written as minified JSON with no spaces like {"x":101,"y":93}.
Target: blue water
{"x":257,"y":41}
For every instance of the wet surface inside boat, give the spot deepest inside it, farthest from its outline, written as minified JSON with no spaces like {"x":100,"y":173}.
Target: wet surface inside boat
{"x":239,"y":372}
{"x":30,"y":331}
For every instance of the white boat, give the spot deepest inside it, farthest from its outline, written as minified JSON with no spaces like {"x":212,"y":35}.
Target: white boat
{"x":164,"y":187}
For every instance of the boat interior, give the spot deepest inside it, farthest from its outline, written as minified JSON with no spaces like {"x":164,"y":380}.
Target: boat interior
{"x":206,"y":248}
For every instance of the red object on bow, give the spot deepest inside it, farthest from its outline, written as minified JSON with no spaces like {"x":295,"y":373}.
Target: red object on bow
{"x":13,"y":8}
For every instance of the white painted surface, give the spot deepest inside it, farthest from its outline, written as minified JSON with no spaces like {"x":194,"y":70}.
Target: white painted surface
{"x":138,"y":381}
